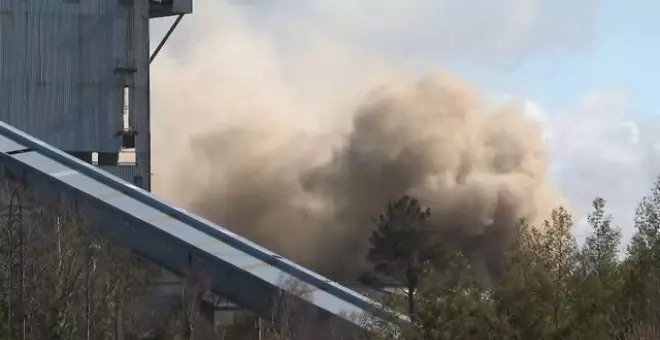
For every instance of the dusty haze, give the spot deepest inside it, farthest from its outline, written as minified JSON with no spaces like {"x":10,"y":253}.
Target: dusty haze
{"x":297,"y":150}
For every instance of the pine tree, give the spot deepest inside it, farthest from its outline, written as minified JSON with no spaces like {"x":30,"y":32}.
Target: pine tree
{"x":400,"y":245}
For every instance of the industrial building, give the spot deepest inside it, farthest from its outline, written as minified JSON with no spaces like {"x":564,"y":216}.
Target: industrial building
{"x":75,"y":117}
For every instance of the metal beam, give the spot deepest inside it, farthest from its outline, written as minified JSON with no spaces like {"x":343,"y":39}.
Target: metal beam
{"x":167,"y":36}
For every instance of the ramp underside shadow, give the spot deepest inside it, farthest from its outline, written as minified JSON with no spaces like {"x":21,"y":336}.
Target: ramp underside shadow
{"x":239,"y":270}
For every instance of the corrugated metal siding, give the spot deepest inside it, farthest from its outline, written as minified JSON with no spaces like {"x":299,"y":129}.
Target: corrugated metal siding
{"x":58,"y":78}
{"x":128,"y":173}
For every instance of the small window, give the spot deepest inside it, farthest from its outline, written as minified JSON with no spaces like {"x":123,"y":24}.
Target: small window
{"x":126,"y":101}
{"x":126,"y":131}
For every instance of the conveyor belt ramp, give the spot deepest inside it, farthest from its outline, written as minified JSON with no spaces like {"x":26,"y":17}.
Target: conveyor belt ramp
{"x":240,"y":270}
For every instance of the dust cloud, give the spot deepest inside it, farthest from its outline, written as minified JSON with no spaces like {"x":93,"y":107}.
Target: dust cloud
{"x":298,"y":149}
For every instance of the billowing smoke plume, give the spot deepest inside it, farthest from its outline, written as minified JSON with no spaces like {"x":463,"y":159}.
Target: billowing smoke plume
{"x":298,"y":154}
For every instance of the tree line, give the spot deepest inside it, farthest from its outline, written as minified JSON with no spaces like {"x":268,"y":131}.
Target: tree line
{"x":60,"y":279}
{"x":548,"y":286}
